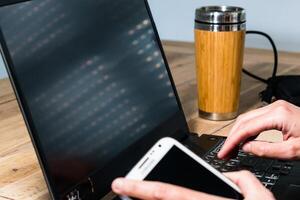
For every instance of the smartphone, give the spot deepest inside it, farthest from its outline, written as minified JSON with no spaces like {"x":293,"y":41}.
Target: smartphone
{"x":170,"y":162}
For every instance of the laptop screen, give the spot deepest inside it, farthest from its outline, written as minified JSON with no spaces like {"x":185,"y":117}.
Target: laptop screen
{"x":92,"y":80}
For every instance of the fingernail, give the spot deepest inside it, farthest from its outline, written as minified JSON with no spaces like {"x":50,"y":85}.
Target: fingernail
{"x":220,"y":154}
{"x":246,"y":147}
{"x":118,"y":185}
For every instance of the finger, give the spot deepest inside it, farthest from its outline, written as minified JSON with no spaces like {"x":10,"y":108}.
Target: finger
{"x":284,"y":150}
{"x":246,"y":181}
{"x":149,"y":190}
{"x":240,"y":121}
{"x":249,"y":185}
{"x":249,"y":115}
{"x":260,"y":111}
{"x":278,"y":110}
{"x":252,"y":115}
{"x":249,"y":129}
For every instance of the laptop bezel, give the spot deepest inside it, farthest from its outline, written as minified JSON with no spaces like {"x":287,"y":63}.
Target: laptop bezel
{"x":26,"y":114}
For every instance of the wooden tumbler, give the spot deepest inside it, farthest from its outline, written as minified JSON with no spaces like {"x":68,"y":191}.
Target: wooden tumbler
{"x":219,"y":49}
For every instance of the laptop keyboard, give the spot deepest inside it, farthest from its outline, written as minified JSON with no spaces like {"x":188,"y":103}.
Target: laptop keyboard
{"x":268,"y":171}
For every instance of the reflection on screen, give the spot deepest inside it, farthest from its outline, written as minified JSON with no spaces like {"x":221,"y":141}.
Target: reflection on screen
{"x":178,"y":168}
{"x":92,"y":75}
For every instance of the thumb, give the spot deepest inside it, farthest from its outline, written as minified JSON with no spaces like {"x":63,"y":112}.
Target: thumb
{"x":250,"y":186}
{"x":283,"y":150}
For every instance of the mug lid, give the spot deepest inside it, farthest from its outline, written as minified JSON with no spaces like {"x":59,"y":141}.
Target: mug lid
{"x":220,"y":15}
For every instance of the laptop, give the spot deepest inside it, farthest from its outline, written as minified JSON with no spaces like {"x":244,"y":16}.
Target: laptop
{"x":96,"y":93}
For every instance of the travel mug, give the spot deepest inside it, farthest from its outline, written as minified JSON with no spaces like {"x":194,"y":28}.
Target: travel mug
{"x":219,"y":49}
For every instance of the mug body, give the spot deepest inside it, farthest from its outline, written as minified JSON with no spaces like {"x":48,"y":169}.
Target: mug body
{"x":219,"y":49}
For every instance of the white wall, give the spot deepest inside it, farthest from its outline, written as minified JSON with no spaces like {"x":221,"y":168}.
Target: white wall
{"x":280,"y":19}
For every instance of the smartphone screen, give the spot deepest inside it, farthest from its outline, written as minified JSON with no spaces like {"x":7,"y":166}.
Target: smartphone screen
{"x":178,"y":168}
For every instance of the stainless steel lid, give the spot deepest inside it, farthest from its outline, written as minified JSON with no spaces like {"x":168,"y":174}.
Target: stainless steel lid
{"x":220,"y":15}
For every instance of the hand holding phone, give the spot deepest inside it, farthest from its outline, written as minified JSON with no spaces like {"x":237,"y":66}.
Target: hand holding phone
{"x":170,"y":162}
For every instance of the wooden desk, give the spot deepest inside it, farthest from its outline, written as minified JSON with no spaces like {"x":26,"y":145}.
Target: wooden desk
{"x":20,"y":174}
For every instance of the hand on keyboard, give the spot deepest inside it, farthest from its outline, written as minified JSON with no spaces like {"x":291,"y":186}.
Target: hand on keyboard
{"x":280,"y":115}
{"x":266,"y":170}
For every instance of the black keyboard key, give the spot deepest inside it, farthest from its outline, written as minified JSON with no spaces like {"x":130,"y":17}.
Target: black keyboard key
{"x":229,"y":165}
{"x":284,"y":172}
{"x":276,"y":166}
{"x":233,"y":162}
{"x":289,"y":164}
{"x":222,"y":169}
{"x":242,"y":154}
{"x":235,"y":159}
{"x":209,"y":162}
{"x":268,"y":181}
{"x":268,"y":186}
{"x":212,"y":154}
{"x":218,"y":162}
{"x":228,"y":168}
{"x":208,"y":158}
{"x":217,"y":149}
{"x":259,"y":174}
{"x":274,"y":176}
{"x":286,"y":167}
{"x":216,"y":166}
{"x":249,"y":162}
{"x":263,"y":164}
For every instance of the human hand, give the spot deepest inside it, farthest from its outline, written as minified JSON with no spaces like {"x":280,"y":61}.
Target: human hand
{"x":250,"y":187}
{"x":281,"y":116}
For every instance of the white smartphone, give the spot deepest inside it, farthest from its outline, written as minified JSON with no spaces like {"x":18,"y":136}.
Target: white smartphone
{"x":170,"y":162}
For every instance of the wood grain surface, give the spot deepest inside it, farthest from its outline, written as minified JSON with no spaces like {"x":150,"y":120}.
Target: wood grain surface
{"x":219,"y":60}
{"x":20,"y":174}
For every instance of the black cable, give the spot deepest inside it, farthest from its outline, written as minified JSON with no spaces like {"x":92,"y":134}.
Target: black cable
{"x":254,"y":76}
{"x":275,"y":57}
